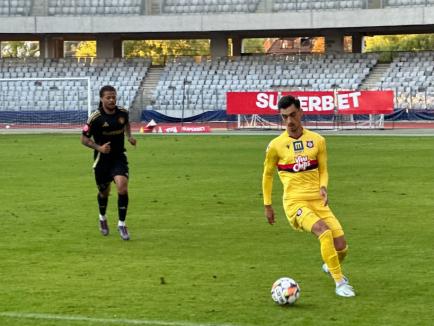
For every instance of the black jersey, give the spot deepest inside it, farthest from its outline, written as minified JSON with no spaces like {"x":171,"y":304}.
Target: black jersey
{"x":105,"y":128}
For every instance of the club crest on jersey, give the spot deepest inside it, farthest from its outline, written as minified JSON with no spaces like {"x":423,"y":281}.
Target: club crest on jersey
{"x":309,"y":144}
{"x":299,"y":212}
{"x":121,"y":120}
{"x":105,"y":124}
{"x":298,"y":146}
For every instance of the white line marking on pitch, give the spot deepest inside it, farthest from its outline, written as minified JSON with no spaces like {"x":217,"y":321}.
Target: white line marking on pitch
{"x":24,"y":315}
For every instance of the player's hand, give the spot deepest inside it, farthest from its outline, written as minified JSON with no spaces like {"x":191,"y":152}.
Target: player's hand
{"x":105,"y":148}
{"x":324,"y":195}
{"x":132,"y":141}
{"x":269,"y":213}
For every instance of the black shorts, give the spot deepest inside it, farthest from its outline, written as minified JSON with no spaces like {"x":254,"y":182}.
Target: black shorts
{"x":106,"y":168}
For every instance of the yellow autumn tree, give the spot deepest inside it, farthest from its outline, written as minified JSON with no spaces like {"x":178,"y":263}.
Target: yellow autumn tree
{"x":86,"y":49}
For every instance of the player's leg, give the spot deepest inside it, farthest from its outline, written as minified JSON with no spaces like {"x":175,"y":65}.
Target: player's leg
{"x":122,"y":188}
{"x":333,"y":224}
{"x":103,"y":180}
{"x":328,"y":250}
{"x":120,"y":176}
{"x":330,"y":257}
{"x":302,"y":217}
{"x":334,"y":246}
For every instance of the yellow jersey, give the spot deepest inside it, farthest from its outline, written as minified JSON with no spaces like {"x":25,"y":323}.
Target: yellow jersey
{"x":301,"y":165}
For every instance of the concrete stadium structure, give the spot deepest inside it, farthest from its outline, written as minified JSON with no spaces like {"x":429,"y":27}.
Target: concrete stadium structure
{"x":149,"y":19}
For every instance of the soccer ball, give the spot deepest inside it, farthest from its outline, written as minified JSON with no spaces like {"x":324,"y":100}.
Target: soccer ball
{"x":285,"y":291}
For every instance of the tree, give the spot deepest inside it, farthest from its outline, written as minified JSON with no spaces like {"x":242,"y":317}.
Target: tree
{"x":159,"y":50}
{"x":318,"y":45}
{"x":19,"y":49}
{"x":410,"y":42}
{"x":86,"y":49}
{"x":255,"y":45}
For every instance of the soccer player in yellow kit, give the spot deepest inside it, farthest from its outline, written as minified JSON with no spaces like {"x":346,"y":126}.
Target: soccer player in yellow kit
{"x":300,"y":156}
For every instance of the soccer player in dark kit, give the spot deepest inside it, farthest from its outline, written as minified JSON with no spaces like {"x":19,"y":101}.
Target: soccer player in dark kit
{"x":108,"y":126}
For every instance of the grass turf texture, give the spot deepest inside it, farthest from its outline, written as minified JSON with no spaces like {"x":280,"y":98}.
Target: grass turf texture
{"x":201,"y":250}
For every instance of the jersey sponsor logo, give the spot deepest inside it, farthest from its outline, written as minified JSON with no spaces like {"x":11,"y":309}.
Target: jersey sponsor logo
{"x":309,"y":144}
{"x":86,"y":128}
{"x":301,"y":163}
{"x":105,"y":124}
{"x":121,"y":120}
{"x":114,"y":132}
{"x":298,"y":146}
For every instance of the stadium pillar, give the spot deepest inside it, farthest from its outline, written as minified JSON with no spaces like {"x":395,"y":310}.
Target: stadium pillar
{"x":219,"y":46}
{"x":108,"y":47}
{"x":334,"y":42}
{"x":236,"y":46}
{"x":51,"y":47}
{"x":357,"y":40}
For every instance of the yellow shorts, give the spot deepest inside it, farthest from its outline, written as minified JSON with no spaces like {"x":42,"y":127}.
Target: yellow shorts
{"x":303,"y":214}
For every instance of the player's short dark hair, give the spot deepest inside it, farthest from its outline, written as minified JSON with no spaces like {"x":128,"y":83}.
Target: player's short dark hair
{"x":106,"y":88}
{"x":288,"y":100}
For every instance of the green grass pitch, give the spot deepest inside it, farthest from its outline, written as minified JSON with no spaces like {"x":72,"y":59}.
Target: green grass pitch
{"x":201,"y":251}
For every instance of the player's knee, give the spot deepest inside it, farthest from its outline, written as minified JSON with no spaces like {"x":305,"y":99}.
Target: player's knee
{"x":104,"y":194}
{"x":319,"y":228}
{"x":122,"y":188}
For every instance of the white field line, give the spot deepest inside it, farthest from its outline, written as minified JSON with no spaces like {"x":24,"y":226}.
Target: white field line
{"x":28,"y":315}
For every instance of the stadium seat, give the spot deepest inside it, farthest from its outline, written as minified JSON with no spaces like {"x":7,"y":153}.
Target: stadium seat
{"x":98,"y":71}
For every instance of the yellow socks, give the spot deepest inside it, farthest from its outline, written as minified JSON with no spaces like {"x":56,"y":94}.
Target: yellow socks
{"x":330,"y":256}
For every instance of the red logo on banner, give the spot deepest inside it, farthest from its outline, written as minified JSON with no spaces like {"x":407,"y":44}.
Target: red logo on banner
{"x":328,"y":102}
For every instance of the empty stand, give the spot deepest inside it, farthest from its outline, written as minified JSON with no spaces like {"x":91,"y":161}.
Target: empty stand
{"x":411,"y":76}
{"x":408,"y":3}
{"x":15,"y":7}
{"x":202,"y":86}
{"x":296,"y":5}
{"x":124,"y":74}
{"x":94,"y":7}
{"x":209,"y":6}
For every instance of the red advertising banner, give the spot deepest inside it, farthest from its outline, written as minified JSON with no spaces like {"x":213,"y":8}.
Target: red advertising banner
{"x":173,"y":129}
{"x":327,"y":102}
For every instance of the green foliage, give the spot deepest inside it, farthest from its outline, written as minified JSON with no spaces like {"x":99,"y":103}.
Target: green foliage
{"x":159,"y":50}
{"x":201,"y":250}
{"x":254,"y":45}
{"x":409,"y":42}
{"x":19,"y":49}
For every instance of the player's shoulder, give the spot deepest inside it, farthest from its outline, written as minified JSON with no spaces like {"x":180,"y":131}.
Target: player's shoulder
{"x":276,"y":141}
{"x":313,"y":134}
{"x":123,"y":109}
{"x":94,"y":115}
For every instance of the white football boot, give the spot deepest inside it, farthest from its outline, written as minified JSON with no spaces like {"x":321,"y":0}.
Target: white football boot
{"x":345,"y":290}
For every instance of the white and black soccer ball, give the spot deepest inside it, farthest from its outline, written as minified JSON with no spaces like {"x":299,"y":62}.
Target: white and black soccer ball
{"x":285,"y":291}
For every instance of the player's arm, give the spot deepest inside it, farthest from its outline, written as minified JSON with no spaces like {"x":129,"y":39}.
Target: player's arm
{"x":323,"y":171}
{"x":270,"y":162}
{"x":88,"y":142}
{"x":130,"y":138}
